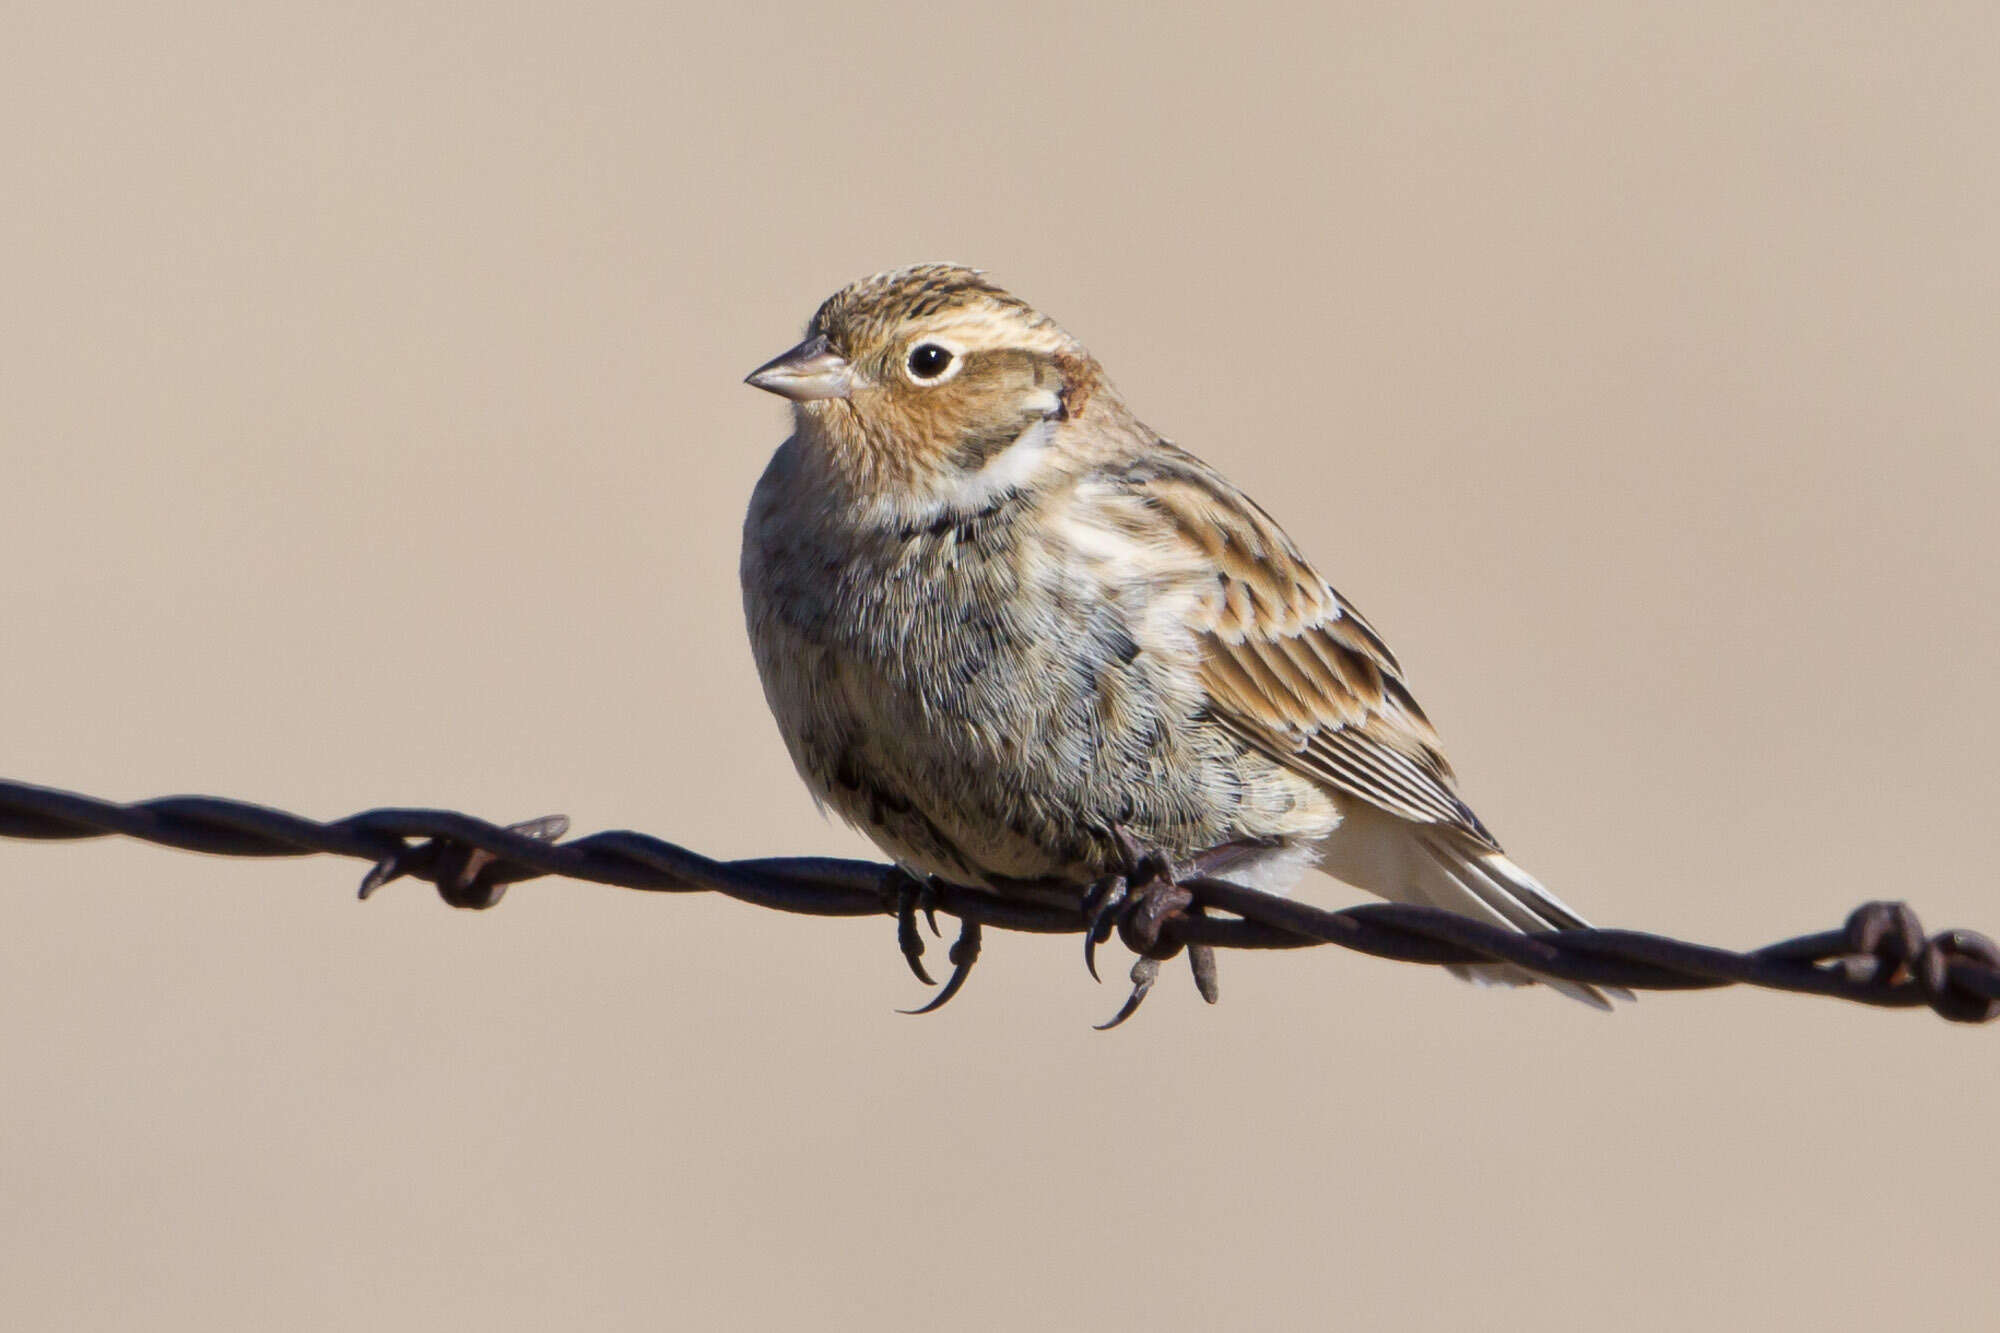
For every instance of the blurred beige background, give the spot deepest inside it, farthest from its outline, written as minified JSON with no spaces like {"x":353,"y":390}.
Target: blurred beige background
{"x":372,"y":435}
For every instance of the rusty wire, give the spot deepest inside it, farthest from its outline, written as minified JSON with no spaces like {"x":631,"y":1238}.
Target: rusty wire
{"x":1880,"y":956}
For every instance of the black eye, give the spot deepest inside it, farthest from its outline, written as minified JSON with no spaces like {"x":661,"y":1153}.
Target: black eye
{"x":928,"y":361}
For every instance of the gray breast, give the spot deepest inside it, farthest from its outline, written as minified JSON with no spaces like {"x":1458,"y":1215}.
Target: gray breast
{"x":960,"y":691}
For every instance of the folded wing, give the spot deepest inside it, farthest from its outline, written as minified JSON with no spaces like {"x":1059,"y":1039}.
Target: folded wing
{"x":1292,"y":668}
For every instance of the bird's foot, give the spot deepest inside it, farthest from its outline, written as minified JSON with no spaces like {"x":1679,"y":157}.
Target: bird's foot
{"x":1101,"y":903}
{"x":915,"y":895}
{"x":911,"y":894}
{"x":1139,"y":904}
{"x":964,"y":953}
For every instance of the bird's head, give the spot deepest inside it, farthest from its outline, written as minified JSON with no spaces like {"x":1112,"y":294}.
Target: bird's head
{"x":933,"y":382}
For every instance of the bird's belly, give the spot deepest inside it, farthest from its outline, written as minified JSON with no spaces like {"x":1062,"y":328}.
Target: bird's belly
{"x":984,"y":753}
{"x":1003,"y":770}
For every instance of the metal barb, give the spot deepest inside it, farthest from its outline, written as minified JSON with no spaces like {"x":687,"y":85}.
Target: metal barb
{"x":459,"y":871}
{"x":1939,"y":968}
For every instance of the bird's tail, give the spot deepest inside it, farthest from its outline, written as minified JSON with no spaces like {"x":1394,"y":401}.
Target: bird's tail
{"x":1434,"y":867}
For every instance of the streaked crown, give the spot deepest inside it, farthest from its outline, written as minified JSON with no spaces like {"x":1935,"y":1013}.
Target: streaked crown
{"x":936,"y":297}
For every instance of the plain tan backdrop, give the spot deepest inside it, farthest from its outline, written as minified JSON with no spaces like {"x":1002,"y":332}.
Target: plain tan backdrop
{"x":372,"y":434}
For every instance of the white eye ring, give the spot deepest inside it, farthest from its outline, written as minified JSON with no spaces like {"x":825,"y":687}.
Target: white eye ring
{"x":954,"y":358}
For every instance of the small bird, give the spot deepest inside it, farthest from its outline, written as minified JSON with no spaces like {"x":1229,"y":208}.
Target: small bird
{"x":1010,"y":632}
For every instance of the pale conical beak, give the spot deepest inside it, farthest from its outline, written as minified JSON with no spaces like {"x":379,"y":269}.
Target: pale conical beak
{"x":809,"y":371}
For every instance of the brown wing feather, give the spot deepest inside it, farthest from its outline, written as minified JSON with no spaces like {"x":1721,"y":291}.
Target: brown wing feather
{"x":1289,"y":666}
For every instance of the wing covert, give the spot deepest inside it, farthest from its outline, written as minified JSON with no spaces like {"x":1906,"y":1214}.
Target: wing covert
{"x":1289,"y":666}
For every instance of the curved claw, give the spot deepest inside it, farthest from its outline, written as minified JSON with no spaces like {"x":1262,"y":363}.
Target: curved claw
{"x":964,"y":953}
{"x":908,"y":891}
{"x":1144,"y":973}
{"x":1100,"y":910}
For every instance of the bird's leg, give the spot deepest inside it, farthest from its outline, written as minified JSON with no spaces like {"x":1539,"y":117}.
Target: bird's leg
{"x":1226,"y":855}
{"x":1139,"y":904}
{"x":964,"y":953}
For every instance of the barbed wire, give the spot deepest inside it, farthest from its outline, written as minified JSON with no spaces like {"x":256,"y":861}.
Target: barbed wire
{"x":1880,"y":956}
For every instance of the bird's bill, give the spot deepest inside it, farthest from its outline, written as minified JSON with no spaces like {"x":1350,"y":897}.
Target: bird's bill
{"x":810,"y":371}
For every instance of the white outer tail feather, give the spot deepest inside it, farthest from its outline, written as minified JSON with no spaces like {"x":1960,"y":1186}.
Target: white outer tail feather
{"x":1430,"y":866}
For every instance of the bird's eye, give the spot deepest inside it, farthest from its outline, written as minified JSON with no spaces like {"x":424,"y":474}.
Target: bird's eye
{"x":928,"y":361}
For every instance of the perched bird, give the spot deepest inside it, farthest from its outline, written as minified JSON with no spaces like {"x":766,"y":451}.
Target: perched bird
{"x":1005,"y":627}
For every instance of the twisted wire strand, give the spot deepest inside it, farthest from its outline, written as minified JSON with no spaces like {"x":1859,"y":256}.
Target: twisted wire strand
{"x":1880,"y":956}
